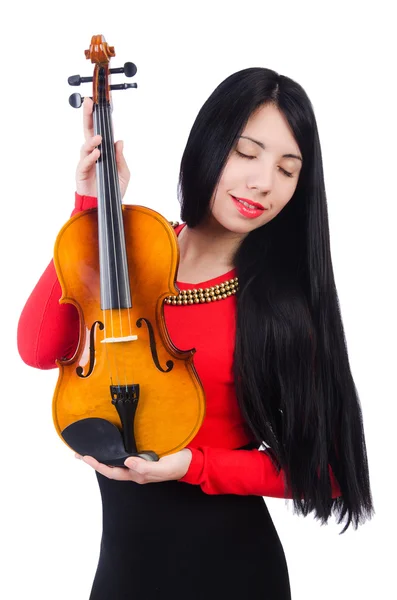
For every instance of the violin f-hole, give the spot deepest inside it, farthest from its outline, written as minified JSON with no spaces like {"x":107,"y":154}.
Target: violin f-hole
{"x":153,"y":349}
{"x":80,"y":370}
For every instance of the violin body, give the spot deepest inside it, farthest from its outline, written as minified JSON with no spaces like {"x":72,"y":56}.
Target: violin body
{"x":171,"y":405}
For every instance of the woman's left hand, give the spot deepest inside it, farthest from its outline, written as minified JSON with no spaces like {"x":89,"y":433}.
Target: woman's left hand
{"x":170,"y":467}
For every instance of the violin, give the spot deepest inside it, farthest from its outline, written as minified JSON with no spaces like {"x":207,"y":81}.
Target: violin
{"x":127,"y":391}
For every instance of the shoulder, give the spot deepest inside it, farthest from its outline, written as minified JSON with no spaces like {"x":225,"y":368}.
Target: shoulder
{"x":176,"y":225}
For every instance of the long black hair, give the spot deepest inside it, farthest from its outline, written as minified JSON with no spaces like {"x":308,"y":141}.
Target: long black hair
{"x":293,"y":380}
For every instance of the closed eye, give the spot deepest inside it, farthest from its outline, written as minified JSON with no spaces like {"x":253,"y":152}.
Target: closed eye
{"x":286,"y":173}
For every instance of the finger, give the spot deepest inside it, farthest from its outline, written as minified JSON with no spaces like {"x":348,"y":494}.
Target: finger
{"x":124,"y":172}
{"x":88,"y":121}
{"x":117,"y":473}
{"x":134,"y":463}
{"x":146,"y":471}
{"x":90,"y":145}
{"x":85,"y":165}
{"x":120,"y":159}
{"x":119,"y":145}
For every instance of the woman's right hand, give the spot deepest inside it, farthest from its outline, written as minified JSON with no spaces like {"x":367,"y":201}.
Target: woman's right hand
{"x":89,"y":154}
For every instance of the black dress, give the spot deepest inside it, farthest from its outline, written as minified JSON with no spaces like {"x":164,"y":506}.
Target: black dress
{"x":170,"y":540}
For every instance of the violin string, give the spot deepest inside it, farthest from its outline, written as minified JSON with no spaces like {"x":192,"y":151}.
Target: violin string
{"x":119,"y":215}
{"x":105,"y":240}
{"x":116,"y":188}
{"x":107,"y":135}
{"x":104,"y":237}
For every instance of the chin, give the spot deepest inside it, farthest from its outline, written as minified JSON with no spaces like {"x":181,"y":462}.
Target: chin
{"x":234,"y":227}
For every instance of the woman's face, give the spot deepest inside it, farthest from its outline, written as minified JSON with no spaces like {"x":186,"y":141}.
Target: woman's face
{"x":261,"y":175}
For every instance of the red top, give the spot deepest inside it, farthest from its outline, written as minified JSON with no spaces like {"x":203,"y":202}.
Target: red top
{"x":48,"y":330}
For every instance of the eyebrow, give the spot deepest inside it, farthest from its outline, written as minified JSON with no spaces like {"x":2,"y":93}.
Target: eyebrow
{"x":263,"y":147}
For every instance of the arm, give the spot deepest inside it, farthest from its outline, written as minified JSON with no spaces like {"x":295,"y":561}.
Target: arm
{"x":243,"y":472}
{"x":48,"y":330}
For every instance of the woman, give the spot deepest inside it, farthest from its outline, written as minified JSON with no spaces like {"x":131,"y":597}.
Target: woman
{"x":272,"y":359}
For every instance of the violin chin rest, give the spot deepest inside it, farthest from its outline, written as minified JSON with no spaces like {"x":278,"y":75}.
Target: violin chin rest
{"x":102,"y":440}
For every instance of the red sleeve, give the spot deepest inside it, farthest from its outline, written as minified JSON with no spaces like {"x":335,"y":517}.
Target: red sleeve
{"x":243,"y":472}
{"x":48,"y":330}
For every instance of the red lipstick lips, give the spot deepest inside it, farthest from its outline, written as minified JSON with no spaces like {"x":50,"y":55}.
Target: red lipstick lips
{"x":250,"y":213}
{"x":255,"y":204}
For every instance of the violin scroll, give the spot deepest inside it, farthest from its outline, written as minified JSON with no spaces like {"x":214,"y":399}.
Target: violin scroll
{"x":99,"y":51}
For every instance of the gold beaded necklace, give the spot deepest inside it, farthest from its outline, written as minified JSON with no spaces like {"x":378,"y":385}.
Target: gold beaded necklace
{"x":200,"y":296}
{"x":221,"y":291}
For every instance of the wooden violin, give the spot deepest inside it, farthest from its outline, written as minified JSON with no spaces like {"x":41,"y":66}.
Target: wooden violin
{"x":127,"y":390}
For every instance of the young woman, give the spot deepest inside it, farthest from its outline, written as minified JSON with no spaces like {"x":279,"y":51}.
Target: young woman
{"x":272,"y":359}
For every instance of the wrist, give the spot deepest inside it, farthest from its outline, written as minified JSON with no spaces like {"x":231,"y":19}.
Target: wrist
{"x":84,"y":203}
{"x":196,"y":465}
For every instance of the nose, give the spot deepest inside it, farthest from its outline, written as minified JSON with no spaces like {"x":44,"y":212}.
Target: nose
{"x":261,"y":179}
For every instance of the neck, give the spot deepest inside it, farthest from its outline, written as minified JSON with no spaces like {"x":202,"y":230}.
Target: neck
{"x":209,"y":244}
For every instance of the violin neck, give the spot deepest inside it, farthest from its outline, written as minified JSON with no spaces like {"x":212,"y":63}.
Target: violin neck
{"x":114,"y":280}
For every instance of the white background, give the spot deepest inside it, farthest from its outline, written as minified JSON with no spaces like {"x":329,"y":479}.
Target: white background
{"x":342,"y":54}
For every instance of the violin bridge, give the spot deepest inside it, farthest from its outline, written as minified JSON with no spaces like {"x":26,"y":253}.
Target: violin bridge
{"x":116,"y":340}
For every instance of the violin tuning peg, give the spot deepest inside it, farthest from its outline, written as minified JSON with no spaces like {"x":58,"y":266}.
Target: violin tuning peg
{"x":123,"y":86}
{"x":77,"y":80}
{"x":74,"y":80}
{"x":129,"y":69}
{"x":76,"y":100}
